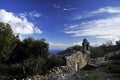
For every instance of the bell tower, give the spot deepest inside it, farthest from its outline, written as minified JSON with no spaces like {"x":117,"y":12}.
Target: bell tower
{"x":85,"y":46}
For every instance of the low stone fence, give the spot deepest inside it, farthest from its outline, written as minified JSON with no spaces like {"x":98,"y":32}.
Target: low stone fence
{"x":57,"y":73}
{"x":97,"y":61}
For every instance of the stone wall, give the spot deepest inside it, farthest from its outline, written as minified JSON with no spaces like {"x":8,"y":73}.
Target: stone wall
{"x":97,"y":61}
{"x":108,"y":55}
{"x":57,"y":73}
{"x":105,"y":58}
{"x":77,"y":60}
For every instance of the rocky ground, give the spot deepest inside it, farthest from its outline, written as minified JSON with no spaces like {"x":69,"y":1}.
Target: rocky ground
{"x":94,"y":74}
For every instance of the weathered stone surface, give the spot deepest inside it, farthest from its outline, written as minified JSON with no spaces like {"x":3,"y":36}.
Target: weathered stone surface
{"x":74,"y":61}
{"x":64,"y":72}
{"x":77,"y":59}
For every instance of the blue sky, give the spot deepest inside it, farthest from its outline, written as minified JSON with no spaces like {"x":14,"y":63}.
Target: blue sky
{"x":63,"y":23}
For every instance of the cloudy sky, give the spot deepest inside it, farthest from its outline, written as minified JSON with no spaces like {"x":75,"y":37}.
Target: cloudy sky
{"x":63,"y":23}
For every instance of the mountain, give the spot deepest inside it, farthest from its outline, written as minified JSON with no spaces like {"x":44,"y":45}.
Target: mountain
{"x":55,"y":51}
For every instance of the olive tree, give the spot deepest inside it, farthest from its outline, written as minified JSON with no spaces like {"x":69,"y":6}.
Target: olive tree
{"x":7,"y":40}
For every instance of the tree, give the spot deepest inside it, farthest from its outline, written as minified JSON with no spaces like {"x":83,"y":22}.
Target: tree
{"x":40,"y":48}
{"x":39,"y":52}
{"x":34,"y":52}
{"x":7,"y":39}
{"x":118,"y":44}
{"x":28,"y":44}
{"x":18,"y":55}
{"x":96,"y":52}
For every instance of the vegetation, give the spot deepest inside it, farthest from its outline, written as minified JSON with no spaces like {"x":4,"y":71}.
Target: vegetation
{"x":86,"y":75}
{"x":7,"y":41}
{"x":27,"y":56}
{"x":53,"y":61}
{"x":95,"y":77}
{"x":113,"y":65}
{"x":30,"y":56}
{"x":103,"y":49}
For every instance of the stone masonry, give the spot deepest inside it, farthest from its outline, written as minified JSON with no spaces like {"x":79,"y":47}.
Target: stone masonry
{"x":74,"y":62}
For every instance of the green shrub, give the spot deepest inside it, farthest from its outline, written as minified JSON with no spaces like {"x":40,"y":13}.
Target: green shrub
{"x":112,"y":66}
{"x":95,"y":77}
{"x":115,"y":57}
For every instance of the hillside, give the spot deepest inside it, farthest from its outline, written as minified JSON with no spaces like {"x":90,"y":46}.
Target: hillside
{"x":70,"y":50}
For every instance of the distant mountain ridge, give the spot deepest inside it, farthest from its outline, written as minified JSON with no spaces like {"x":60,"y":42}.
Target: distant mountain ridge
{"x":71,"y":49}
{"x":55,"y":51}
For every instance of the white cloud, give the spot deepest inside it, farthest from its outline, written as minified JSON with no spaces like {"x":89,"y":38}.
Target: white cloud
{"x":58,"y":45}
{"x":64,"y":8}
{"x":68,"y":9}
{"x":108,"y":10}
{"x":19,"y":25}
{"x":78,"y":43}
{"x":56,"y":6}
{"x":108,"y":28}
{"x":32,"y":14}
{"x":91,"y":43}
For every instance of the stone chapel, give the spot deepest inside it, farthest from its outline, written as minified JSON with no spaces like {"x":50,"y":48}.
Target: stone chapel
{"x":79,"y":59}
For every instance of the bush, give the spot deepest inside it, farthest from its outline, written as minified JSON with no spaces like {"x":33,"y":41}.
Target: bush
{"x":53,"y":61}
{"x":112,"y":66}
{"x":115,"y":57}
{"x":95,"y":77}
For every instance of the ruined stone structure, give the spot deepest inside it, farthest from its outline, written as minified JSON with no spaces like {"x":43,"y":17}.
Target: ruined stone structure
{"x":85,"y":46}
{"x":74,"y":62}
{"x":77,"y":60}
